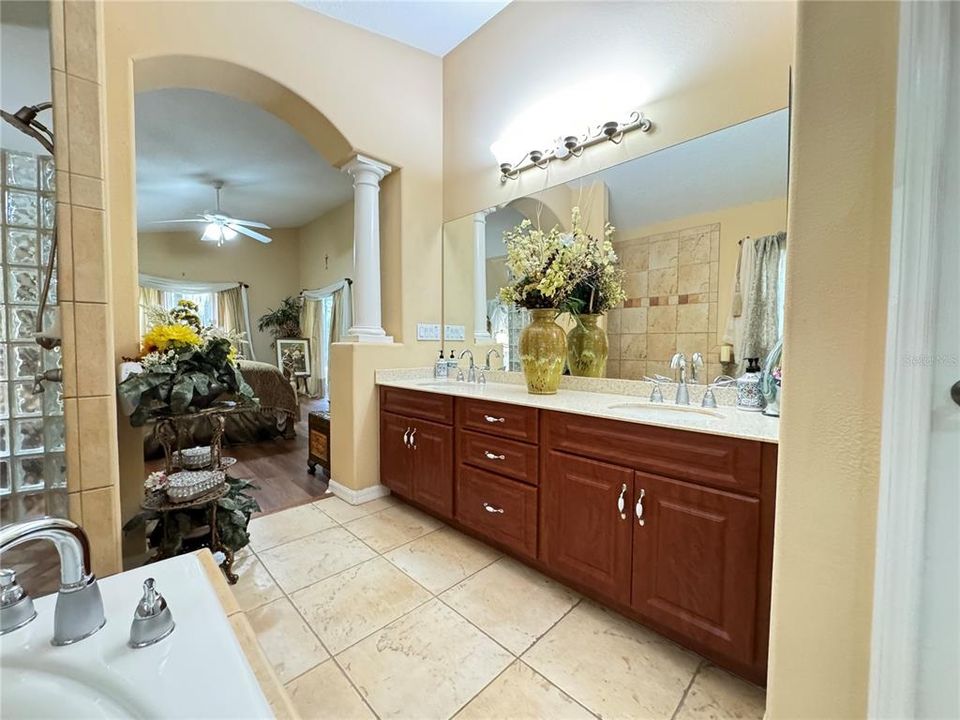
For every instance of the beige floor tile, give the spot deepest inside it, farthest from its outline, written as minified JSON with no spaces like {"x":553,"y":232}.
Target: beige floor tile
{"x":281,"y":527}
{"x":255,"y":586}
{"x":441,"y":559}
{"x":511,"y":603}
{"x":521,"y":693}
{"x":613,"y":666}
{"x":324,"y":693}
{"x":286,"y":640}
{"x":354,"y":603}
{"x":718,"y":695}
{"x":311,"y":559}
{"x":343,"y":512}
{"x":392,"y":527}
{"x":427,"y":664}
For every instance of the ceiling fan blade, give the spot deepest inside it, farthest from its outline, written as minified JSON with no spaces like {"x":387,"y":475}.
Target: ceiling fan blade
{"x":249,"y":223}
{"x":249,"y":233}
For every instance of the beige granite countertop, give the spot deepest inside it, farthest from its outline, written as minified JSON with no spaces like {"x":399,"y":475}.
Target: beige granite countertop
{"x":725,"y":420}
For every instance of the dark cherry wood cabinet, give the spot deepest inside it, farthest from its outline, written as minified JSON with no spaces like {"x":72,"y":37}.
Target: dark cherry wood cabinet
{"x":585,"y":523}
{"x":673,"y":528}
{"x":695,"y":562}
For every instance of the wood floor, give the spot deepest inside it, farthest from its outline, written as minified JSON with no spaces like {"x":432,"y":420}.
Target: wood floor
{"x":277,"y":468}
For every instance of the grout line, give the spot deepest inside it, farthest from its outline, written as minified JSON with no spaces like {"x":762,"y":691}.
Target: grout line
{"x":559,"y":689}
{"x":686,"y":690}
{"x":495,"y":678}
{"x":545,"y":632}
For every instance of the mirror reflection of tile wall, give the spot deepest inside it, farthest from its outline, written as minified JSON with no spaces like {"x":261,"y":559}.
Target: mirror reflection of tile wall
{"x":32,"y":437}
{"x":672,"y":286}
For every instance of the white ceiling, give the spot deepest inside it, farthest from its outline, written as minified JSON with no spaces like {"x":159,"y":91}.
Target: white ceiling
{"x":436,"y":26}
{"x":742,"y":164}
{"x":186,"y":139}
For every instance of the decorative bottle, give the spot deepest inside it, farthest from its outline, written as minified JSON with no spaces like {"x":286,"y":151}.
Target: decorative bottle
{"x":749,"y":397}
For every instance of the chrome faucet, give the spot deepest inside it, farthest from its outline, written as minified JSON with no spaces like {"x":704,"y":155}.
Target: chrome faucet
{"x":696,"y":361}
{"x":472,"y":370}
{"x":679,"y":362}
{"x":709,"y":399}
{"x":79,"y":609}
{"x":656,"y":395}
{"x":491,"y":351}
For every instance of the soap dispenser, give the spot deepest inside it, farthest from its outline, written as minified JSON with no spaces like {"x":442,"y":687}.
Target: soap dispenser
{"x":440,"y":368}
{"x":749,"y":396}
{"x":451,"y":363}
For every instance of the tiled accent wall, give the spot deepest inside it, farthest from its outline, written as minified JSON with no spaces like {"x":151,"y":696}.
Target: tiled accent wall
{"x":88,"y":357}
{"x":672,"y":289}
{"x":32,"y":436}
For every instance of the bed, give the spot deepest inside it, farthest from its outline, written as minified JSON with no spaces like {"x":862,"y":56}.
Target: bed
{"x":276,"y":417}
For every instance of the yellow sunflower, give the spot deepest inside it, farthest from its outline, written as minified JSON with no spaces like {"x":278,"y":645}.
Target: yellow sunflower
{"x":162,"y":337}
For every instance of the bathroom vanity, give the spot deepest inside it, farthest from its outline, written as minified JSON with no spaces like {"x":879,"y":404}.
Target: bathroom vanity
{"x":665,"y":514}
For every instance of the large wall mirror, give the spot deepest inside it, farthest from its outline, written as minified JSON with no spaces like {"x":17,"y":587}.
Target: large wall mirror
{"x":699,"y":230}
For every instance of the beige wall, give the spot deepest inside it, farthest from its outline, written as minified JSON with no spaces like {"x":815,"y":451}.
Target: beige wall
{"x":297,"y":73}
{"x":326,"y":248}
{"x":693,"y":68}
{"x":837,"y":266}
{"x":272,"y":271}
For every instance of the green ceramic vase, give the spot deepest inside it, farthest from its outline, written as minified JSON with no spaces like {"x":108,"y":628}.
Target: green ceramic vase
{"x":587,"y":348}
{"x":543,"y":350}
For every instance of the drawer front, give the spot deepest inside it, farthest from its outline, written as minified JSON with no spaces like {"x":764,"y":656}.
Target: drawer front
{"x":429,"y":406}
{"x":500,"y":419}
{"x":513,"y":459}
{"x":722,"y":462}
{"x":503,"y":510}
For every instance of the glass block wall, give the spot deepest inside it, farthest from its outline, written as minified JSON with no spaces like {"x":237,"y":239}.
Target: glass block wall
{"x":32,"y":438}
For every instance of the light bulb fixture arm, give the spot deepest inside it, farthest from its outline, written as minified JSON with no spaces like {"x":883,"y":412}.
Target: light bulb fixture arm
{"x":573,"y":146}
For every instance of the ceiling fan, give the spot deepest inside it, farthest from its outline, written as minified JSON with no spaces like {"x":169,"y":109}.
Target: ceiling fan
{"x":221,"y":228}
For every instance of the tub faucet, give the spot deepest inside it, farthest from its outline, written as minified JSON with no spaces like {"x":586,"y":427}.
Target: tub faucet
{"x":679,"y":362}
{"x":472,"y":370}
{"x":79,"y":609}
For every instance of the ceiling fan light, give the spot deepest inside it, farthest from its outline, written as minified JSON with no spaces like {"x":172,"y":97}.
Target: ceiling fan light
{"x":228,"y":232}
{"x":213,"y":233}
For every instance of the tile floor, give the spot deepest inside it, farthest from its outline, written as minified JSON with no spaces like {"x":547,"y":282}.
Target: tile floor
{"x":380,"y":611}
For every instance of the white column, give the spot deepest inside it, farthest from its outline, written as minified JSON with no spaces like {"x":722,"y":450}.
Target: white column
{"x":480,"y":334}
{"x":367,"y":322}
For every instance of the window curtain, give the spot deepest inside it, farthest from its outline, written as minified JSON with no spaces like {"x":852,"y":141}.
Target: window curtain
{"x":326,"y":331}
{"x":311,"y":319}
{"x":149,"y":297}
{"x":233,"y":314}
{"x":762,"y":297}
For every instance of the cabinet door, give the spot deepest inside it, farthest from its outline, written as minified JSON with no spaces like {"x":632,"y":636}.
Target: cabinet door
{"x":432,"y":452}
{"x":695,"y":562}
{"x":584,"y":536}
{"x":396,"y":458}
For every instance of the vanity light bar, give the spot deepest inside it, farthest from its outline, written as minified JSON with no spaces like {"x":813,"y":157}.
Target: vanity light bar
{"x":573,"y":145}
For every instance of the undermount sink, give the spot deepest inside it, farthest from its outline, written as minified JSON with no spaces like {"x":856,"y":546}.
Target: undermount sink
{"x":645,"y":409}
{"x":182,"y":676}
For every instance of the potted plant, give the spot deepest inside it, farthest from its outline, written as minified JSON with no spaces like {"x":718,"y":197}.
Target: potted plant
{"x":599,"y":288}
{"x":543,"y":271}
{"x":284,"y":322}
{"x":185,"y":366}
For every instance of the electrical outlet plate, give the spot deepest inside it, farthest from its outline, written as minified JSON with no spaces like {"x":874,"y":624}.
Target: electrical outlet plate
{"x":455,"y":333}
{"x":428,"y":331}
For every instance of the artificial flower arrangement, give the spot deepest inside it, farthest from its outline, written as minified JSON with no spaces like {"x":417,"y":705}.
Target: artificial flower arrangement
{"x":186,"y":366}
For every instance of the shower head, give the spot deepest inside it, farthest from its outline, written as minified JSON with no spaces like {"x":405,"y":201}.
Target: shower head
{"x":25,"y":120}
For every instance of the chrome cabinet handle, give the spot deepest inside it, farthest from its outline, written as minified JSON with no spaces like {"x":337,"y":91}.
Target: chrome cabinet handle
{"x":406,"y":438}
{"x":492,"y":509}
{"x":622,"y":502}
{"x":413,"y":439}
{"x":639,"y":508}
{"x":491,"y":456}
{"x":492,"y":419}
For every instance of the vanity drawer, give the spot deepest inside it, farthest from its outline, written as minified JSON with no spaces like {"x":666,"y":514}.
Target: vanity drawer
{"x":429,"y":406}
{"x":722,"y":462}
{"x":503,"y":510}
{"x":500,"y":419}
{"x":505,"y":457}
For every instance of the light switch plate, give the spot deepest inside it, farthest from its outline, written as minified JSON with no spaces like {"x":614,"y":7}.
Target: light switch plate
{"x":455,"y":332}
{"x":428,"y":331}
